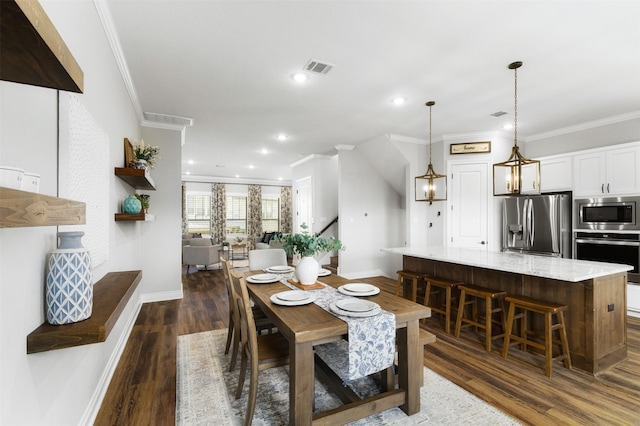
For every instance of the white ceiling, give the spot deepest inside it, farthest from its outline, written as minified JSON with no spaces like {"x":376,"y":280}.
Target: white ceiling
{"x":227,"y":65}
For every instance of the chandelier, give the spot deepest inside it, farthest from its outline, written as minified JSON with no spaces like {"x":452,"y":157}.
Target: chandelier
{"x":431,"y":186}
{"x":517,"y":175}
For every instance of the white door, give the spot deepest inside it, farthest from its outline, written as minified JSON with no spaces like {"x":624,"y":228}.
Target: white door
{"x":303,"y":202}
{"x":468,"y":206}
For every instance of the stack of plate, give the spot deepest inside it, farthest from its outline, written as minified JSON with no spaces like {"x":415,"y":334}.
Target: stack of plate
{"x":358,"y":289}
{"x":324,"y":272}
{"x":293,"y":298}
{"x":263,"y":278}
{"x":355,"y":308}
{"x":279,"y":269}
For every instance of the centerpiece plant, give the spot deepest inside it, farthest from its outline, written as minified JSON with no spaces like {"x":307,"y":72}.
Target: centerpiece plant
{"x":145,"y":154}
{"x":306,"y":246}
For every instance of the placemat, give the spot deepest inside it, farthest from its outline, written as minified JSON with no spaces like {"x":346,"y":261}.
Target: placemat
{"x":316,"y":286}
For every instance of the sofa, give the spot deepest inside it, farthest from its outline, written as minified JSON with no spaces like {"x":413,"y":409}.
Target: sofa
{"x":268,"y":240}
{"x":200,"y":251}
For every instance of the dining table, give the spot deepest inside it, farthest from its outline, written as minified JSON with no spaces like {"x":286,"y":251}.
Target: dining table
{"x":309,"y":325}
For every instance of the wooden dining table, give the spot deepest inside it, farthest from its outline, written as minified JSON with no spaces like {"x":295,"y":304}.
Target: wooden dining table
{"x":309,"y":325}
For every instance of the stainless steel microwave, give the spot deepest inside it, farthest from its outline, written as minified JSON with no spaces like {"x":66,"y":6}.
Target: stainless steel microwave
{"x":607,"y":214}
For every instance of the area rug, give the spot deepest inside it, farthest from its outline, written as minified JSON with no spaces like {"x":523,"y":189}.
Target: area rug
{"x":206,"y":389}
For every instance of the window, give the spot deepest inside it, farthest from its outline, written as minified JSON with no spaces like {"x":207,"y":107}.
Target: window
{"x":236,"y":215}
{"x":270,"y":214}
{"x":199,"y":213}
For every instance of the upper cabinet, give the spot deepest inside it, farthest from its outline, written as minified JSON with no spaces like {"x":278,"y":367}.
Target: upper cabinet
{"x":32,"y":52}
{"x":555,"y":174}
{"x":607,"y":172}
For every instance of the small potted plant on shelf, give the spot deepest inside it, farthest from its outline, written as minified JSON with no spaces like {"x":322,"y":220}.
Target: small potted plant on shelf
{"x":144,"y":200}
{"x":145,"y":156}
{"x":307,"y":245}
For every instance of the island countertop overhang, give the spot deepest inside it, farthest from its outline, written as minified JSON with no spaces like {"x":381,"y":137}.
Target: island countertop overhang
{"x":526,"y":264}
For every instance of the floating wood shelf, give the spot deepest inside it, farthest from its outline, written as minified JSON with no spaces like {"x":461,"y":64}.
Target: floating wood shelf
{"x":32,"y":51}
{"x":137,"y":178}
{"x":121,"y":217}
{"x":110,"y":296}
{"x":22,"y":208}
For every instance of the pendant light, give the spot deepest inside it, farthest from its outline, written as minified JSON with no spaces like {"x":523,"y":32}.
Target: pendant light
{"x":431,"y":186}
{"x":517,"y":175}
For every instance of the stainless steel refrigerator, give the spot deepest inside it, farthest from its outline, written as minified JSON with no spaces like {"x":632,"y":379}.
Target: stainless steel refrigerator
{"x":537,"y":224}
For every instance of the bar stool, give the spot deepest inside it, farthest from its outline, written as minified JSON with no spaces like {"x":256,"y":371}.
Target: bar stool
{"x":489,"y":295}
{"x":548,"y":309}
{"x":448,"y":286}
{"x":409,"y":275}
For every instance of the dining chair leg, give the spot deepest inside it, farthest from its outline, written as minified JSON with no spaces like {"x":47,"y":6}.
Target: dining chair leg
{"x":253,"y":394}
{"x":243,"y":372}
{"x":234,"y":352}
{"x":229,"y":335}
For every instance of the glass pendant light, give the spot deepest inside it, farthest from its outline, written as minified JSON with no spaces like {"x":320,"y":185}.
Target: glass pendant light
{"x":431,"y":186}
{"x":517,"y":175}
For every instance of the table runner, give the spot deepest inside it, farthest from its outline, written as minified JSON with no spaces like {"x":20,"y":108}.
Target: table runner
{"x":372,"y":340}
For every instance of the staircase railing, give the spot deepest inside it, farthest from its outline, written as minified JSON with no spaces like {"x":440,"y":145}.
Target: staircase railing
{"x":327,"y":227}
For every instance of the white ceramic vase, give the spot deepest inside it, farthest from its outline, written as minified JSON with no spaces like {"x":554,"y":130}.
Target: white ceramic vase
{"x":307,"y":270}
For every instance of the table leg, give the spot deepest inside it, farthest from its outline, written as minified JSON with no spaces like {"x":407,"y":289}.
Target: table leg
{"x":301,"y":383}
{"x":410,"y":367}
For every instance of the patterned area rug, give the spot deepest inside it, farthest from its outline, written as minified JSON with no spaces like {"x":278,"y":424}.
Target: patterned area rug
{"x":206,"y":389}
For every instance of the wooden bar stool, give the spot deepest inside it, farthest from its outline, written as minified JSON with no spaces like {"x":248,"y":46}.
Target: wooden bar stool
{"x":409,"y":275}
{"x":447,"y":285}
{"x":489,"y":295}
{"x":548,"y":309}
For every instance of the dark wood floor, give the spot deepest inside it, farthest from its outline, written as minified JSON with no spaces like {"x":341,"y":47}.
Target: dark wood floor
{"x":143,"y":388}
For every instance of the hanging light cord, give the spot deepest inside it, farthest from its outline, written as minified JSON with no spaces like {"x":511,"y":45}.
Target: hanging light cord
{"x":429,"y":134}
{"x":515,"y":109}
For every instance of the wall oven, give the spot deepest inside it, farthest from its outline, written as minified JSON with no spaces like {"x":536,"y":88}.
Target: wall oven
{"x":612,"y":247}
{"x":607,"y":214}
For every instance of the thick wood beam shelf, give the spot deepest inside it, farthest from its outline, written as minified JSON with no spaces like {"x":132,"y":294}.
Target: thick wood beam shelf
{"x":22,"y":208}
{"x":122,"y":217}
{"x":137,"y":178}
{"x":110,"y":296}
{"x":32,"y":51}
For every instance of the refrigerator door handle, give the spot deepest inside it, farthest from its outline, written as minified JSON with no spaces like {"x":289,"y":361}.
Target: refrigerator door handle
{"x":532,"y":228}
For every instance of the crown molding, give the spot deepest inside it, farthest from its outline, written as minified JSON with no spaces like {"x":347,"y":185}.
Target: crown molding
{"x":309,"y":158}
{"x":236,"y":181}
{"x":585,"y":126}
{"x":344,"y":147}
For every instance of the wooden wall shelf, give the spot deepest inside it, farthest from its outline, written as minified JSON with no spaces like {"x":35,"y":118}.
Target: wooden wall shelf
{"x":122,"y":217}
{"x":32,"y":51}
{"x":22,"y":208}
{"x":137,"y":178}
{"x":110,"y":296}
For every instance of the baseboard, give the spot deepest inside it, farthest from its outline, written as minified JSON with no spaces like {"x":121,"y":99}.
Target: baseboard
{"x":633,"y":312}
{"x":161,"y":296}
{"x":90,"y":414}
{"x":362,"y":274}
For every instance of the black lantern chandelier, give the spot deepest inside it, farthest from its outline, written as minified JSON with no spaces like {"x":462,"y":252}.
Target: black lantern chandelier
{"x":431,"y":186}
{"x":517,"y":175}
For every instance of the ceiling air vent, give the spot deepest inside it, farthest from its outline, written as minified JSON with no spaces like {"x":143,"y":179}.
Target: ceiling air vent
{"x":498,"y":114}
{"x":318,"y":67}
{"x":168,"y":119}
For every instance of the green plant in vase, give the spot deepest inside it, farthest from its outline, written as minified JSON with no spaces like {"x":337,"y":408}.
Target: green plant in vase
{"x":144,"y":200}
{"x":145,"y":155}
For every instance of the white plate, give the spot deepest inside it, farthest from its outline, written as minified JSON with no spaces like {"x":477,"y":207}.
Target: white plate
{"x":324,"y":272}
{"x":263,"y":278}
{"x":339,"y":311}
{"x":276,"y":300}
{"x":359,"y":287}
{"x":293,"y":295}
{"x":279,"y":268}
{"x":356,"y":305}
{"x":373,"y":292}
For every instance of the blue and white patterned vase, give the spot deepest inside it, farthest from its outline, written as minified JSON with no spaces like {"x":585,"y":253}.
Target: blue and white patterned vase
{"x":69,"y":292}
{"x":132,"y":205}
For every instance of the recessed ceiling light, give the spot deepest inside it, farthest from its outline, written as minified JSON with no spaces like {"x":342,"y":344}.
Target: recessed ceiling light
{"x":251,"y":166}
{"x":279,"y":178}
{"x":398,"y":100}
{"x":282,"y":137}
{"x":237,"y":176}
{"x":300,"y":77}
{"x":190,"y":161}
{"x":188,"y":173}
{"x":264,"y":151}
{"x":508,"y":126}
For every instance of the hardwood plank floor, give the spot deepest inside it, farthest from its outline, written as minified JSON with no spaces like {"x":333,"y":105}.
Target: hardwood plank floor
{"x":142,"y":390}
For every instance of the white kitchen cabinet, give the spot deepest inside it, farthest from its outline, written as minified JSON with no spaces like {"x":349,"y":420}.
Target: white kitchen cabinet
{"x":607,"y":172}
{"x":633,"y":300}
{"x":556,"y":174}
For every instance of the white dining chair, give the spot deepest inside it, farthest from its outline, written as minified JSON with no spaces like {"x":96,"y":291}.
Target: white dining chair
{"x":263,"y":258}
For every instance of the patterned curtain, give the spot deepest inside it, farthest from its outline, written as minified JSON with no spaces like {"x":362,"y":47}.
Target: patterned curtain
{"x":286,"y":210}
{"x":254,"y":215}
{"x":185,"y":222}
{"x":218,"y":212}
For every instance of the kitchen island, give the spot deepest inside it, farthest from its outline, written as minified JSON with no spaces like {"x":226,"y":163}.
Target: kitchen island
{"x":595,"y":292}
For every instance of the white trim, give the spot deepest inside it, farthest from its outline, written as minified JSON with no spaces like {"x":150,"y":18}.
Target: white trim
{"x":585,"y":126}
{"x":157,"y":125}
{"x":361,"y":274}
{"x":344,"y":147}
{"x":311,"y":157}
{"x":91,"y":412}
{"x":161,"y":296}
{"x":234,"y":181}
{"x":471,"y":137}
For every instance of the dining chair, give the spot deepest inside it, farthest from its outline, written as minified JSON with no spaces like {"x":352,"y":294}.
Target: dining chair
{"x":234,"y":331}
{"x":259,"y":352}
{"x":263,"y":258}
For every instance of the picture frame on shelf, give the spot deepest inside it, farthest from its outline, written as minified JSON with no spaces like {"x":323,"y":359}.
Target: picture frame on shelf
{"x":129,"y":157}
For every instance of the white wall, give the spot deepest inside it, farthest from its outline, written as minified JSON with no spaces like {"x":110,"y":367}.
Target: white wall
{"x":371,"y":218}
{"x":62,"y":387}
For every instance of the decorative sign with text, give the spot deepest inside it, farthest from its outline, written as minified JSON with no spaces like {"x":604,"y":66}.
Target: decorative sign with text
{"x":470,"y":148}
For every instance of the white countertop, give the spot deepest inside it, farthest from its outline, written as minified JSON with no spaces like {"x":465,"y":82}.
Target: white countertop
{"x":538,"y":266}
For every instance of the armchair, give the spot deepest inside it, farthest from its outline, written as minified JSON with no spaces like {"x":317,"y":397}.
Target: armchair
{"x":200,"y":251}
